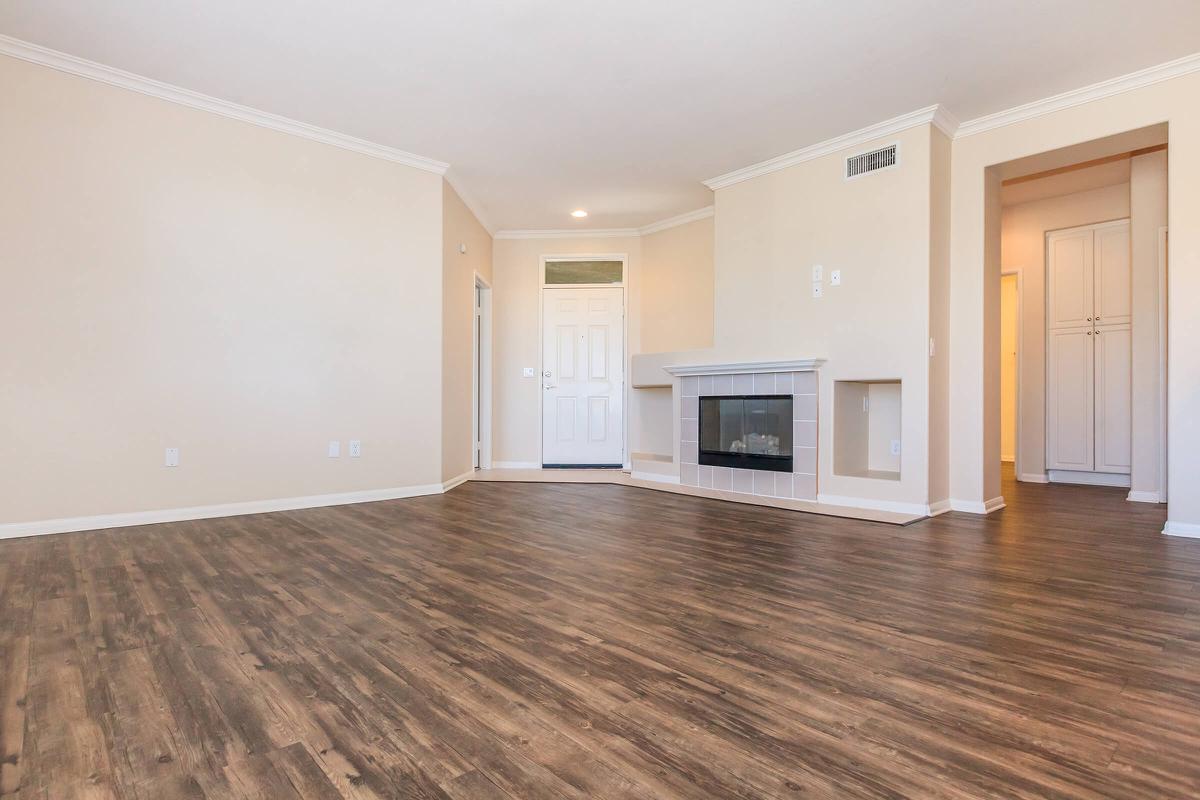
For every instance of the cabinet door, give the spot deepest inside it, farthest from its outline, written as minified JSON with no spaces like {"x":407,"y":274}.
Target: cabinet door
{"x":1114,"y":398}
{"x":1070,"y":411}
{"x":1070,"y":278}
{"x":1113,"y":281}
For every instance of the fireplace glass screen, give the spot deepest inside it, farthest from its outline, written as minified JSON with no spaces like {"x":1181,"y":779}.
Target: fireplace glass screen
{"x":747,"y":431}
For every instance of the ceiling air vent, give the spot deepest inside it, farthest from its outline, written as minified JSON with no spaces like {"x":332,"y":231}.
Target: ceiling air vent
{"x":861,"y":164}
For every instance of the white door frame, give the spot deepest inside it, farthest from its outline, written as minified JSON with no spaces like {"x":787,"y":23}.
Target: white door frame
{"x":1018,"y":424}
{"x":541,"y":319}
{"x":481,"y":375}
{"x":1163,"y":304}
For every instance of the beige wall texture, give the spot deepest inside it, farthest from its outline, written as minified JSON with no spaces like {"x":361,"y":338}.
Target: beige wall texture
{"x":1148,"y":209}
{"x":174,"y":278}
{"x":677,"y":288}
{"x":877,"y":230}
{"x":975,"y":275}
{"x":459,"y":227}
{"x":1023,"y":250}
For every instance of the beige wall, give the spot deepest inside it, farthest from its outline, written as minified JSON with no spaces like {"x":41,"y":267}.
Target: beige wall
{"x":459,"y":227}
{"x":175,"y":278}
{"x":1148,"y":209}
{"x":677,"y":288}
{"x":771,"y":230}
{"x":1023,"y":251}
{"x":516,"y":299}
{"x":972,"y":294}
{"x":939,"y":318}
{"x":1009,"y":321}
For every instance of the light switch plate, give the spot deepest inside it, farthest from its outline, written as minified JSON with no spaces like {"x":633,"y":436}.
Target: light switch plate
{"x":528,"y":372}
{"x":355,"y":448}
{"x":171,"y":458}
{"x":817,"y":290}
{"x":835,"y":277}
{"x":335,"y":449}
{"x":818,"y":273}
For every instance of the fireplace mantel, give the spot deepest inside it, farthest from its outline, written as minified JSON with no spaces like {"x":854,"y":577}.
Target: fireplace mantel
{"x":746,"y":367}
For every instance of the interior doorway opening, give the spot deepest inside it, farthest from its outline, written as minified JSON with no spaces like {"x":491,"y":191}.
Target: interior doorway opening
{"x":1077,"y":319}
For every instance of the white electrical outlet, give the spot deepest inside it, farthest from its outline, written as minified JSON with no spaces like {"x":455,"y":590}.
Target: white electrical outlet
{"x":835,"y":277}
{"x":528,"y":372}
{"x":335,"y":449}
{"x":818,"y":273}
{"x":895,"y":447}
{"x":171,"y":459}
{"x":817,"y":290}
{"x":355,"y":448}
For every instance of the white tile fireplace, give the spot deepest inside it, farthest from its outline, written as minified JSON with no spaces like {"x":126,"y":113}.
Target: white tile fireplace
{"x":765,"y":386}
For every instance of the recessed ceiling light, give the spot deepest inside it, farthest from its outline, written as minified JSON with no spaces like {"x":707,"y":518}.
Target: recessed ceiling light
{"x":579,"y":213}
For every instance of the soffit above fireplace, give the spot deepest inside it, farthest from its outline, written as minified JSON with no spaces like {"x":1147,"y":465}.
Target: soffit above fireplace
{"x":745,"y":367}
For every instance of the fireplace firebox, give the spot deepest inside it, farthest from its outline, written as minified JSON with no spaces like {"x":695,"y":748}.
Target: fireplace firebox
{"x":747,"y":431}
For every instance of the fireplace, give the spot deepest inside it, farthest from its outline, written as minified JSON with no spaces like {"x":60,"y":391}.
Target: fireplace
{"x":746,"y":431}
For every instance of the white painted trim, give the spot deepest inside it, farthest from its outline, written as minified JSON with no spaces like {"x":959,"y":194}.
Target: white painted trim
{"x":1083,"y":478}
{"x":746,"y":367}
{"x":975,"y":507}
{"x":1076,"y":97}
{"x":1142,"y":497}
{"x":1188,"y":529}
{"x":609,"y":233}
{"x":36,"y":54}
{"x":1019,"y":422}
{"x":516,"y":465}
{"x":469,"y":201}
{"x":457,"y":481}
{"x":879,"y":130}
{"x":938,"y":508}
{"x":482,"y":381}
{"x":1033,"y":477}
{"x":676,"y":221}
{"x":915,"y":509}
{"x":656,"y":477}
{"x":128,"y":519}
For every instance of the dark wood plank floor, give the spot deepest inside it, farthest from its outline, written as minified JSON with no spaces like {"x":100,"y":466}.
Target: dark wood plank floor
{"x":584,"y":641}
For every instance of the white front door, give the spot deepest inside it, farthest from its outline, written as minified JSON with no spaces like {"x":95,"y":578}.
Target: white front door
{"x":583,"y":365}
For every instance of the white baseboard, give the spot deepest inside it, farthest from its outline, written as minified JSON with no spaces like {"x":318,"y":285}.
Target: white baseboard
{"x":11,"y":530}
{"x":940,"y":507}
{"x":1033,"y":477}
{"x":654,"y":476}
{"x":1143,"y":497}
{"x":1189,"y":529}
{"x":516,"y":465}
{"x":975,"y":507}
{"x":458,"y":480}
{"x":1081,"y":478}
{"x":916,"y":509}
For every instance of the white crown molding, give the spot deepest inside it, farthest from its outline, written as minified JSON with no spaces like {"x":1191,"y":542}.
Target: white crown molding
{"x":1188,"y":529}
{"x":469,"y":201}
{"x":125,"y":520}
{"x":676,"y":221}
{"x":610,"y":233}
{"x":945,"y":121}
{"x":1087,"y":94}
{"x":879,"y":130}
{"x":746,"y":367}
{"x":36,"y":54}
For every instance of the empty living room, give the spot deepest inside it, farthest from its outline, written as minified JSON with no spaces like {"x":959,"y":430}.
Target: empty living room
{"x":471,"y":400}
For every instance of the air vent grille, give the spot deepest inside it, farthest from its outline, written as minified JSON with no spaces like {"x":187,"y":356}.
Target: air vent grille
{"x":861,"y":164}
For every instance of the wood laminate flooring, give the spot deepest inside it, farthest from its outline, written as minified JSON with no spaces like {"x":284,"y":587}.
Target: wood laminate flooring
{"x":591,"y":641}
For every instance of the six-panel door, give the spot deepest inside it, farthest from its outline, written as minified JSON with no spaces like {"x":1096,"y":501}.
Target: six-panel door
{"x":582,"y":375}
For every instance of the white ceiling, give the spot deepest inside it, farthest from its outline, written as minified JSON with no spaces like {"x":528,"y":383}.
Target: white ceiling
{"x":621,"y":107}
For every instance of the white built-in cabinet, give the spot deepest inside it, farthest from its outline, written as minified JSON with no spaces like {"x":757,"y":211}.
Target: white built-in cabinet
{"x":1088,"y":349}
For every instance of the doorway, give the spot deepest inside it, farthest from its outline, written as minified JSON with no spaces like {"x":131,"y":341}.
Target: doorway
{"x":582,"y":403}
{"x":1010,"y":316}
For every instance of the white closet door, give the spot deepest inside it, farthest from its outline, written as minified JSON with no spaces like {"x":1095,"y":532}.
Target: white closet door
{"x":1114,"y":360}
{"x":1113,"y":281}
{"x":1069,"y":264}
{"x":1070,"y":413}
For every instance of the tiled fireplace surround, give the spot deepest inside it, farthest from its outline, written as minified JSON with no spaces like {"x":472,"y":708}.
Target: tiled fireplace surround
{"x":800,"y":484}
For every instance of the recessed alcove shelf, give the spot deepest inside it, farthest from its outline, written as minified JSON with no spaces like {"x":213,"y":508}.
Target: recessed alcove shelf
{"x":866,"y":429}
